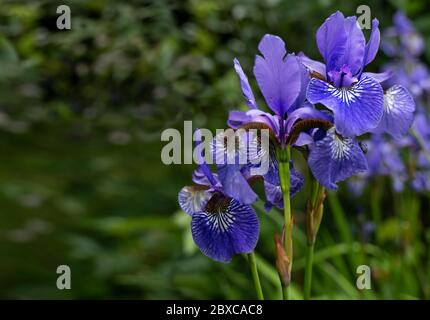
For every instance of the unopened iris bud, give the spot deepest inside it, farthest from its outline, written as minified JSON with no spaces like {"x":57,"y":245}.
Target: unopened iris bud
{"x":314,"y":216}
{"x":282,"y":262}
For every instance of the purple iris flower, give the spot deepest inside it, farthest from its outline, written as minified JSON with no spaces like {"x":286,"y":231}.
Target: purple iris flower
{"x":421,"y":181}
{"x":411,"y":74}
{"x":398,"y":114}
{"x":384,"y":154}
{"x":403,"y":42}
{"x":221,"y":226}
{"x":402,"y":39}
{"x":331,"y":157}
{"x":385,"y":160}
{"x":232,"y":172}
{"x":279,"y":130}
{"x":335,"y":158}
{"x":355,"y":98}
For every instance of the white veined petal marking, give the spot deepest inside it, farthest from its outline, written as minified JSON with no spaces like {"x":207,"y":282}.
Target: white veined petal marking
{"x":389,"y":102}
{"x":346,"y":95}
{"x":220,"y":213}
{"x":340,"y":147}
{"x":396,"y":100}
{"x":351,"y":94}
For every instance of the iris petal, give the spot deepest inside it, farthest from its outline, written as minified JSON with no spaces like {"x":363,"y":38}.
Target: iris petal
{"x":380,"y":77}
{"x":225,"y":228}
{"x":274,"y":196}
{"x":272,"y":185}
{"x":244,"y":84}
{"x":312,"y":65}
{"x":193,"y":199}
{"x":230,"y":150}
{"x":373,"y":45}
{"x":354,"y":46}
{"x":199,"y":177}
{"x":357,"y":109}
{"x":398,"y":115}
{"x":234,"y":183}
{"x":334,"y":159}
{"x":279,"y":77}
{"x":331,"y":40}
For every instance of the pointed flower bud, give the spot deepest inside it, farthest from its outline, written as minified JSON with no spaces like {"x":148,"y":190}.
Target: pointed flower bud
{"x":282,"y":262}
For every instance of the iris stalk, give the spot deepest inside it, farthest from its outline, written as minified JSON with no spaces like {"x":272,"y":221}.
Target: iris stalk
{"x":253,"y":264}
{"x":308,"y":271}
{"x":314,"y":216}
{"x":284,"y":156}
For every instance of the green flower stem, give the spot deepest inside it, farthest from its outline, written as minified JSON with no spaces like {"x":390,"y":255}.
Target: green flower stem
{"x":308,"y":271}
{"x":285,"y":293}
{"x":284,"y":156}
{"x":314,"y":216}
{"x":253,"y":264}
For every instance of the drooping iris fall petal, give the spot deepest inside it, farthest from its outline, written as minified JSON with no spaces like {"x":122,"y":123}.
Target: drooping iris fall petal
{"x":356,"y":110}
{"x":398,"y":114}
{"x":331,"y":40}
{"x":225,"y":228}
{"x":333,"y":159}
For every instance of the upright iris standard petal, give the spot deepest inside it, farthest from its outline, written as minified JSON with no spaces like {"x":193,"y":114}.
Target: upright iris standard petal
{"x":193,"y":199}
{"x":244,"y":84}
{"x":372,"y":45}
{"x":398,"y":115}
{"x":225,"y":228}
{"x":304,"y":78}
{"x":354,"y":47}
{"x":356,"y":110}
{"x":334,"y":159}
{"x":279,"y":77}
{"x":331,"y":40}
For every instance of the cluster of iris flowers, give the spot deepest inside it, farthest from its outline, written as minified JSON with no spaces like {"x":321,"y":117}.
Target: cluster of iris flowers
{"x":403,"y":45}
{"x":319,"y":109}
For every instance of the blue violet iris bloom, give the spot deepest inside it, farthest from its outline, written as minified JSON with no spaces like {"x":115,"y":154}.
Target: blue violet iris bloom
{"x":319,"y":109}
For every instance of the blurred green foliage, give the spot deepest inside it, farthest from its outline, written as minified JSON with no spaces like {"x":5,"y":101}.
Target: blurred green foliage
{"x":81,"y":181}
